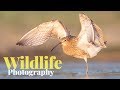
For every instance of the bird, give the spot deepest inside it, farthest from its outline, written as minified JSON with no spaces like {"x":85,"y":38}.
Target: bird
{"x":85,"y":45}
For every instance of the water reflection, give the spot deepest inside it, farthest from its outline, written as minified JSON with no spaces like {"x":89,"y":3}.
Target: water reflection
{"x":86,"y":76}
{"x":97,"y":70}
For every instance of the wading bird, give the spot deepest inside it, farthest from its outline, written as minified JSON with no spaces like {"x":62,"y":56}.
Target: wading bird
{"x":86,"y":45}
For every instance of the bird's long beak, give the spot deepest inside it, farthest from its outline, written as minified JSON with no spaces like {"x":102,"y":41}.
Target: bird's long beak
{"x":55,"y":46}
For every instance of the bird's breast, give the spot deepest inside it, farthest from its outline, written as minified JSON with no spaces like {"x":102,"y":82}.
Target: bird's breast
{"x":74,"y":51}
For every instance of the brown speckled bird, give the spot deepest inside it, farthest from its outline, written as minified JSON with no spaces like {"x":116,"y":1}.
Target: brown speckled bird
{"x":86,"y":45}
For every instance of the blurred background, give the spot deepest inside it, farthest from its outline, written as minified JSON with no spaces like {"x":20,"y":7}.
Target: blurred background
{"x":14,"y":24}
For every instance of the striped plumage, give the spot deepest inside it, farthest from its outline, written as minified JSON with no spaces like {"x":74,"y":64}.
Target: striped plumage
{"x":87,"y":44}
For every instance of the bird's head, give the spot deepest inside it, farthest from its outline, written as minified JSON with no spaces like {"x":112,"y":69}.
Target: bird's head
{"x":63,"y":41}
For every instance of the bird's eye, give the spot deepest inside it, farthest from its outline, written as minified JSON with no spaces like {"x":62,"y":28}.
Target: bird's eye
{"x":65,"y":40}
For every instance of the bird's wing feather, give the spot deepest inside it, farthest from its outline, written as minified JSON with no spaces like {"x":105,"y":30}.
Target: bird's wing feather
{"x":90,"y":32}
{"x":99,"y":38}
{"x":42,"y":33}
{"x":87,"y":31}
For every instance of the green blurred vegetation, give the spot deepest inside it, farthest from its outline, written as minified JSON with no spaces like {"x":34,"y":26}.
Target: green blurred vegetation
{"x":14,"y":24}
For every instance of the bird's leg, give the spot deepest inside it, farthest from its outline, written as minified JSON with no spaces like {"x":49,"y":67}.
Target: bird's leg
{"x":86,"y":77}
{"x":86,"y":68}
{"x":86,"y":65}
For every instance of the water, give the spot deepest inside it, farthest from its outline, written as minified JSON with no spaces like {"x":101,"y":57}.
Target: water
{"x":74,"y":70}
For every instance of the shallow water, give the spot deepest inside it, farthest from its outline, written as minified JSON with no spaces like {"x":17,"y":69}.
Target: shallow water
{"x":74,"y":70}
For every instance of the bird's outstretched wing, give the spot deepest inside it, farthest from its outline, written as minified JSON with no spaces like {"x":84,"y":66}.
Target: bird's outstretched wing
{"x":90,"y":32}
{"x":42,"y":33}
